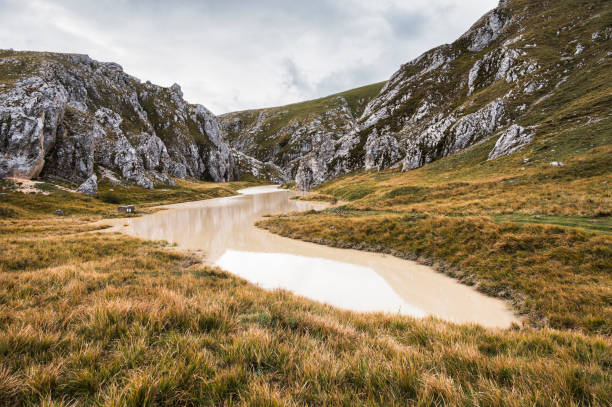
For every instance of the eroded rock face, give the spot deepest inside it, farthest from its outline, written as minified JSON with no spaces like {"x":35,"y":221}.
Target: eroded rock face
{"x":259,"y":169}
{"x":30,"y":113}
{"x":487,"y":29}
{"x":427,"y":110}
{"x":63,"y":114}
{"x":511,"y":140}
{"x":89,"y":187}
{"x":419,"y":116}
{"x":291,"y":138}
{"x":382,"y":152}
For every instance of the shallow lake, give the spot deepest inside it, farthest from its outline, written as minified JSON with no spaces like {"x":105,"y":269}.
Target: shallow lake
{"x":224,"y":230}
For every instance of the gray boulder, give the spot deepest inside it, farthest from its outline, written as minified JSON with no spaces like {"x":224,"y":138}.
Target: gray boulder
{"x":89,"y":187}
{"x":511,"y":140}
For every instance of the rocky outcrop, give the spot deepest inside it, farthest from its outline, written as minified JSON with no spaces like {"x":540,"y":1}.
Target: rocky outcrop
{"x":89,"y":187}
{"x":511,"y":140}
{"x":284,"y":136}
{"x":30,"y":113}
{"x":421,"y":114}
{"x":381,"y":152}
{"x":64,"y":115}
{"x":487,"y":29}
{"x":70,"y":117}
{"x":449,"y":99}
{"x":255,"y":168}
{"x":439,"y":104}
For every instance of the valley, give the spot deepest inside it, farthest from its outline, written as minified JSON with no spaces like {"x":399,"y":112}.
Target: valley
{"x":443,"y":237}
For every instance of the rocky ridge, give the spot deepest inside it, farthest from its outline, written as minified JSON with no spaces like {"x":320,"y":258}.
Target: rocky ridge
{"x":69,"y":117}
{"x":283,"y":136}
{"x":489,"y":84}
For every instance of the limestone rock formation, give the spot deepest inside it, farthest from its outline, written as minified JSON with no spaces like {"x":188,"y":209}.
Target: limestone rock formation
{"x":258,"y":169}
{"x":511,"y":140}
{"x":65,"y":115}
{"x":90,"y":186}
{"x":460,"y":95}
{"x":284,"y":136}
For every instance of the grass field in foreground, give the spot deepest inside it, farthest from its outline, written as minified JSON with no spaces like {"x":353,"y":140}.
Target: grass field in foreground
{"x":91,"y":318}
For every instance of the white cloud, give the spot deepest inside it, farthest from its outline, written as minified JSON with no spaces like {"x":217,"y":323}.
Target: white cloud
{"x":231,"y":54}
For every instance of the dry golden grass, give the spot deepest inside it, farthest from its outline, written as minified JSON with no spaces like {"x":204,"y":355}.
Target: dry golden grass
{"x":558,"y":277}
{"x":91,"y":318}
{"x":102,"y":319}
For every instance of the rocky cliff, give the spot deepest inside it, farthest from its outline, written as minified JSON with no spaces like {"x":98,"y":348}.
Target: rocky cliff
{"x":70,"y":117}
{"x":490,"y":83}
{"x":282,"y":136}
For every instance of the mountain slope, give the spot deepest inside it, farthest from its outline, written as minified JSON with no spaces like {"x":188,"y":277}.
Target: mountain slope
{"x":282,"y":135}
{"x":522,"y":70}
{"x":70,"y":117}
{"x":511,"y":190}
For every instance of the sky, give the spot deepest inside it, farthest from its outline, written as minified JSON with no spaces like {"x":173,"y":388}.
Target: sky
{"x":241,"y":54}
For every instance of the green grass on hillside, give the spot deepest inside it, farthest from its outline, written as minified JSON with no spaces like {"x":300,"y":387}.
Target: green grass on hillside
{"x":37,"y":205}
{"x":538,"y":235}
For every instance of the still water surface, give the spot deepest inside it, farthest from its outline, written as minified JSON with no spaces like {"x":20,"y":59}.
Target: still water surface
{"x":223,"y":229}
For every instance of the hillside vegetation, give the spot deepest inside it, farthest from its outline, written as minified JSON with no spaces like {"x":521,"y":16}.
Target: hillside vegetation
{"x":516,"y":227}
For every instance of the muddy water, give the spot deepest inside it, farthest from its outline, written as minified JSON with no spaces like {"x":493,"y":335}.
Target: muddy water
{"x":351,"y":279}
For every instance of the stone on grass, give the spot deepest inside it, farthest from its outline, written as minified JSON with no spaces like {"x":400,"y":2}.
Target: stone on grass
{"x":90,"y":186}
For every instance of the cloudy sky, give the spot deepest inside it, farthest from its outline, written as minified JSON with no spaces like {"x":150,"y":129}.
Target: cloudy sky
{"x":240,"y":54}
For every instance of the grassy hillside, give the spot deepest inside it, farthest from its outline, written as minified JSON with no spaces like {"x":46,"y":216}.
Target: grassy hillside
{"x":516,"y":227}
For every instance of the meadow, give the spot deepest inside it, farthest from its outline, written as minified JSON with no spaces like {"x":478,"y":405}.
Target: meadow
{"x":95,"y":318}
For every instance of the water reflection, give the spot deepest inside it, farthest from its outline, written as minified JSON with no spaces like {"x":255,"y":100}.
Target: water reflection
{"x":361,"y":281}
{"x":218,"y":224}
{"x":341,"y":284}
